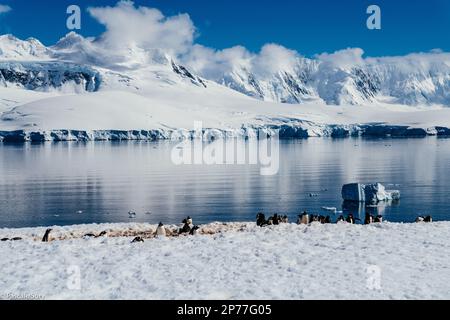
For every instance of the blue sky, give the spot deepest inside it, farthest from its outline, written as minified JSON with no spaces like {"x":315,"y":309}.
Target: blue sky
{"x":310,"y":27}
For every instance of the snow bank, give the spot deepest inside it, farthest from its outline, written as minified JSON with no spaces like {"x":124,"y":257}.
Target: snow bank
{"x":383,"y":261}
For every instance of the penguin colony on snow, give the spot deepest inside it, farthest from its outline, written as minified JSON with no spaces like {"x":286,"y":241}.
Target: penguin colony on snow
{"x":190,"y":229}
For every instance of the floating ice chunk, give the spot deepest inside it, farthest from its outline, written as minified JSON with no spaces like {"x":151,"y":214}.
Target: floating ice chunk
{"x":370,"y":193}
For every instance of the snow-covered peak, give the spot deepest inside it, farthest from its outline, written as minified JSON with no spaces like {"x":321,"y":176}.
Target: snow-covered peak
{"x":12,"y":48}
{"x":70,"y":40}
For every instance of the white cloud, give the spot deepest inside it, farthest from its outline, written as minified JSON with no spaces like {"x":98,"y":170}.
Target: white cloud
{"x":4,"y":8}
{"x":131,"y":27}
{"x":273,"y":58}
{"x":213,"y":64}
{"x":346,"y":58}
{"x":425,"y":62}
{"x":145,"y":28}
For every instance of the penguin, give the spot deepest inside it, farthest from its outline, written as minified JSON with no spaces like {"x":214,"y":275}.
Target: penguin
{"x":428,"y":219}
{"x":189,"y":221}
{"x":161,"y":231}
{"x":194,"y":231}
{"x":328,"y":220}
{"x":379,"y":219}
{"x":261,"y":220}
{"x":315,"y":218}
{"x":341,"y":219}
{"x":276,"y":219}
{"x":285,"y":219}
{"x":351,"y":219}
{"x":303,"y":218}
{"x":89,"y":235}
{"x":102,"y":234}
{"x":4,"y":239}
{"x":369,"y":219}
{"x":137,"y":239}
{"x":45,"y":238}
{"x":16,"y":239}
{"x":132,"y":215}
{"x":420,"y":219}
{"x":186,"y":229}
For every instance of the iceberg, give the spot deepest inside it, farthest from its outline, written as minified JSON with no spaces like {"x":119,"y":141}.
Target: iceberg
{"x":370,"y":193}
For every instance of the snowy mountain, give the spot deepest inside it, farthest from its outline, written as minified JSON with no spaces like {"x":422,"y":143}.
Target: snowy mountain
{"x":84,"y":64}
{"x":415,"y":80}
{"x":12,"y":48}
{"x":83,"y":89}
{"x":76,"y":64}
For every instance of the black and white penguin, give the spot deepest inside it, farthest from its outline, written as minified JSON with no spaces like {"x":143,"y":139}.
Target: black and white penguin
{"x":327,"y":220}
{"x":276,"y":219}
{"x":132,"y":215}
{"x":16,"y":239}
{"x":285,"y":219}
{"x":315,"y":218}
{"x":194,"y":231}
{"x":137,"y":239}
{"x":350,"y":219}
{"x":369,"y":219}
{"x":340,"y":219}
{"x":190,"y":221}
{"x":102,"y":234}
{"x":186,"y":229}
{"x":161,"y":230}
{"x":428,"y":219}
{"x":47,"y":233}
{"x":379,"y":219}
{"x":304,"y":218}
{"x":261,"y":220}
{"x":4,"y":239}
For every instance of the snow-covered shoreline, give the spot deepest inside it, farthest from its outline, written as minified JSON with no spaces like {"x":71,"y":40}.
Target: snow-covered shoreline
{"x":235,"y":261}
{"x":282,"y":131}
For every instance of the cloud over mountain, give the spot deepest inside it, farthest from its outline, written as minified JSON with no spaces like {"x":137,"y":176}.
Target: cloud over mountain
{"x":4,"y":8}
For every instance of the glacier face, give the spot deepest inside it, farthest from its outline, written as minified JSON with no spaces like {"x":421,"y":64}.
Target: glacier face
{"x":46,"y":76}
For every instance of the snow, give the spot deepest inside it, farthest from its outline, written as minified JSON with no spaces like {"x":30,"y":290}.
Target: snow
{"x":75,"y":87}
{"x":170,"y":107}
{"x":338,"y":261}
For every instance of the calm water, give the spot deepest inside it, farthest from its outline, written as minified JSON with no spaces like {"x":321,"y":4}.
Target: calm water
{"x":47,"y":184}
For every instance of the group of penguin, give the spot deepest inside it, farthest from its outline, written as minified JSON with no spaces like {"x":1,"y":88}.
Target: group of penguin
{"x":306,"y":218}
{"x":274,"y":220}
{"x":188,"y":229}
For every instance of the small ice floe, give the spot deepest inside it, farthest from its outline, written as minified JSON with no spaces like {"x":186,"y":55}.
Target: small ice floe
{"x":79,"y":212}
{"x":330,"y":209}
{"x":132,"y":215}
{"x":148,"y":213}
